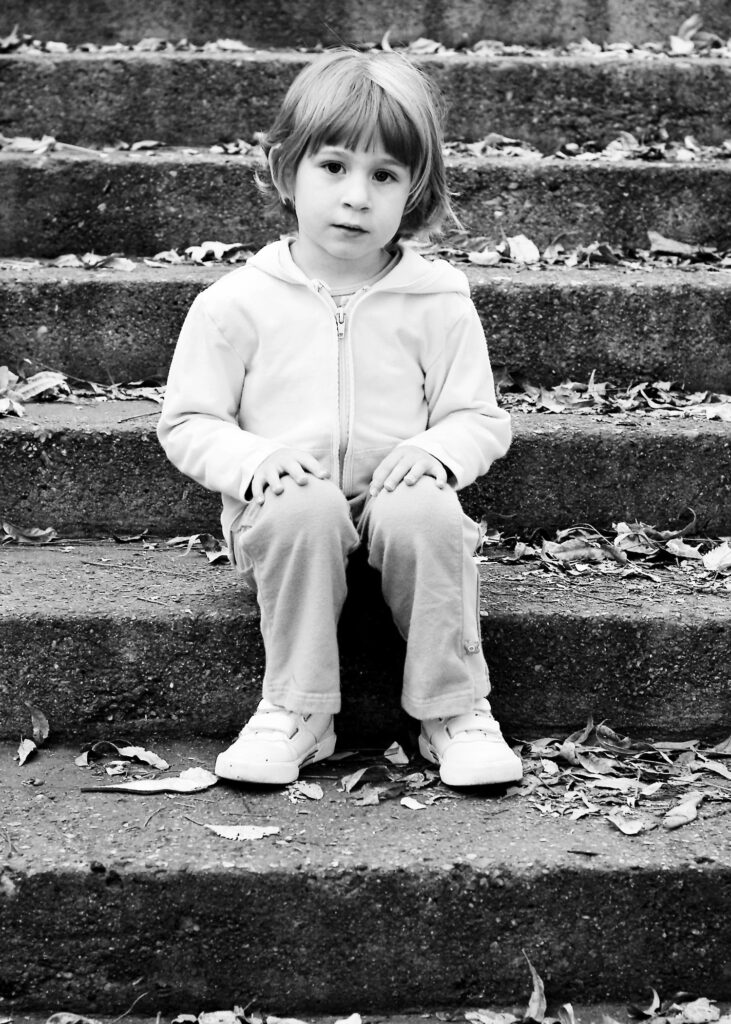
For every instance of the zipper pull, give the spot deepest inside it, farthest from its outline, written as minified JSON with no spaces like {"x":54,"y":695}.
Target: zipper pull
{"x":340,"y":323}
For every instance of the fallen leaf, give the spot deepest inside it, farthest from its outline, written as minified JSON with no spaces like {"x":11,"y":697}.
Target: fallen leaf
{"x":722,"y":748}
{"x":41,"y":727}
{"x":70,"y":1018}
{"x":242,"y":832}
{"x":638,"y":1011}
{"x":302,"y":790}
{"x":489,"y":1017}
{"x":630,"y":826}
{"x":145,"y":144}
{"x":522,"y":249}
{"x":369,"y":796}
{"x":711,"y":766}
{"x":412,"y":804}
{"x":668,"y":246}
{"x":233,"y":46}
{"x":26,"y":749}
{"x":485,"y":258}
{"x":680,"y":549}
{"x":684,"y":812}
{"x":537,"y":1005}
{"x":699,"y":1011}
{"x":30,"y":535}
{"x":145,"y":756}
{"x":192,"y":780}
{"x":395,"y":754}
{"x":719,"y":558}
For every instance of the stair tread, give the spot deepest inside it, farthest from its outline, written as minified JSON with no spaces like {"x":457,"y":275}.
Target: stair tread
{"x":548,"y":323}
{"x":509,"y":833}
{"x":144,"y":202}
{"x":97,"y":468}
{"x":105,"y":635}
{"x":95,"y":97}
{"x":535,"y":22}
{"x":92,"y":868}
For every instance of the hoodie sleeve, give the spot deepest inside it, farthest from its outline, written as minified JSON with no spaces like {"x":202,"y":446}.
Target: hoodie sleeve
{"x":198,"y":428}
{"x":467,"y":430}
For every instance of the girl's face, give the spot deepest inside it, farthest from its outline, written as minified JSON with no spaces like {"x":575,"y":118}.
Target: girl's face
{"x":349,"y":205}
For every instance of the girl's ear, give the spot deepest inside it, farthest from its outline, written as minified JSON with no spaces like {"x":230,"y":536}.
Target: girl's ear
{"x":280,"y":180}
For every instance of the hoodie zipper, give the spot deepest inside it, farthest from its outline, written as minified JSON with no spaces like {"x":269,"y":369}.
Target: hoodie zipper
{"x":341,"y":315}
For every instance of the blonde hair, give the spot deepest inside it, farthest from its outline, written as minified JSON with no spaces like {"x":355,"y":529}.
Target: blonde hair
{"x":347,"y":98}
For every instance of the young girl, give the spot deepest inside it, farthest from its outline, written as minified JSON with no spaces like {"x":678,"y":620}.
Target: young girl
{"x":336,"y":391}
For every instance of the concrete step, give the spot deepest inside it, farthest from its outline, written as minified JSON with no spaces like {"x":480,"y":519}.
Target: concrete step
{"x":278,"y":23}
{"x":368,"y":908}
{"x":91,"y":469}
{"x":551,"y":324}
{"x":118,"y":639}
{"x":198,"y":99}
{"x":144,"y":202}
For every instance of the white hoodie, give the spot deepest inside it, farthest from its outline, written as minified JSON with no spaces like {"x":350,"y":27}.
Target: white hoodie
{"x":265,"y":360}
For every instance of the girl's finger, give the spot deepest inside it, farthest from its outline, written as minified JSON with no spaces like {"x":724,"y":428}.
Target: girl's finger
{"x":314,"y":466}
{"x":396,"y":475}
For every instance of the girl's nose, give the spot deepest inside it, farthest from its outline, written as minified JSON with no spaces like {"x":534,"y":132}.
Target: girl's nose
{"x":357,"y":193}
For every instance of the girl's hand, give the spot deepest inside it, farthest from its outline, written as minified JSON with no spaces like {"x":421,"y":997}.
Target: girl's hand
{"x":407,"y":463}
{"x":287,"y":462}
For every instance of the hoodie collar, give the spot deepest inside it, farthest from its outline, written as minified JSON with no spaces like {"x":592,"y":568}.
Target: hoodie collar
{"x":412,"y":273}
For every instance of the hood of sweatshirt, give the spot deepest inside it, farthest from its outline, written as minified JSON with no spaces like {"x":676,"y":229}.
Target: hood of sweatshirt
{"x":412,"y":273}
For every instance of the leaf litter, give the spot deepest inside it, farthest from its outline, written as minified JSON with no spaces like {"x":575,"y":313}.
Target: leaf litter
{"x":635,"y":786}
{"x":54,"y":386}
{"x":677,"y":1008}
{"x":679,"y":557}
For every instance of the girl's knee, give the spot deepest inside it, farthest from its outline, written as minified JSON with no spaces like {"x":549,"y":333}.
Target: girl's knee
{"x":317,"y":504}
{"x":420,"y":508}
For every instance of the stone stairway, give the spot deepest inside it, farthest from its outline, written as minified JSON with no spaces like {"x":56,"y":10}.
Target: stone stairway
{"x":106,"y":897}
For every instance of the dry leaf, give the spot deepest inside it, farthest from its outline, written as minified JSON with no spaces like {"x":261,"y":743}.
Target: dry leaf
{"x":699,"y":1011}
{"x":395,"y":754}
{"x":192,"y":780}
{"x":684,"y":812}
{"x":31,"y":535}
{"x":243,"y":832}
{"x":630,"y":826}
{"x":537,"y":1005}
{"x":26,"y":749}
{"x":41,"y":728}
{"x":412,"y":804}
{"x":70,"y":1018}
{"x":145,"y":756}
{"x":302,"y":790}
{"x":522,"y":249}
{"x":369,"y":796}
{"x":719,"y":558}
{"x":489,"y":1017}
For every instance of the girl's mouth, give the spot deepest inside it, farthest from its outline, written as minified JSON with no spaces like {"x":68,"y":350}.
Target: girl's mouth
{"x":352,"y":228}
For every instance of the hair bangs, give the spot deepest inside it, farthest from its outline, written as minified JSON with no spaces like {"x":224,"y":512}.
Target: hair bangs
{"x":367,"y":117}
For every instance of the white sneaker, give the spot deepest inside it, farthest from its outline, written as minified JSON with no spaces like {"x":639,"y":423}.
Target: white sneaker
{"x":469,"y":749}
{"x":274,"y":744}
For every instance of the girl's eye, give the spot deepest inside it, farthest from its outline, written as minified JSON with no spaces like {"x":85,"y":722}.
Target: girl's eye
{"x":384,"y":176}
{"x":332,"y":167}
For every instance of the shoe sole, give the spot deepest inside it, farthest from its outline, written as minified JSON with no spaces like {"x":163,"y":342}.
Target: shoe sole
{"x":274,"y":774}
{"x":500,"y":772}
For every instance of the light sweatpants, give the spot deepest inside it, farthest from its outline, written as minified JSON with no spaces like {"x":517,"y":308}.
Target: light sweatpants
{"x":293,"y":550}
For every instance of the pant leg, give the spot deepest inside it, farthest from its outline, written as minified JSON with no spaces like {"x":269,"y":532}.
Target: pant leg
{"x":423,"y":545}
{"x":294,"y":549}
